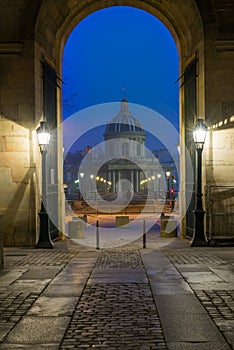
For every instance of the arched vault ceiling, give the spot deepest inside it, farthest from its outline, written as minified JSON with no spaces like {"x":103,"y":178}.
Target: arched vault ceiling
{"x":219,"y":13}
{"x":57,"y":18}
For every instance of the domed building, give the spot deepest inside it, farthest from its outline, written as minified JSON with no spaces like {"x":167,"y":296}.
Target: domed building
{"x":125,"y":126}
{"x":125,"y":145}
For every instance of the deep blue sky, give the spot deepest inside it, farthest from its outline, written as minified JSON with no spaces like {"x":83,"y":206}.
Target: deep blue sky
{"x":121,"y":47}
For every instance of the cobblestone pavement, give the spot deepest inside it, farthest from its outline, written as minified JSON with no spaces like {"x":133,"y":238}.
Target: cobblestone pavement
{"x":168,"y":296}
{"x":220,"y":306}
{"x":51,"y":258}
{"x":125,"y":258}
{"x":26,"y":274}
{"x":199,"y":256}
{"x":13,"y":305}
{"x":218,"y":303}
{"x":116,"y":315}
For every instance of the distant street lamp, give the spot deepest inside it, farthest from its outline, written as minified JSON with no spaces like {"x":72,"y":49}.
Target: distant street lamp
{"x":44,"y":235}
{"x":199,"y":136}
{"x":65,"y":188}
{"x":168,"y":173}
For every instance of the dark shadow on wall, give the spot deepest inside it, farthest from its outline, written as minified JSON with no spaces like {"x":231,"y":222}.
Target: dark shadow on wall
{"x":19,"y":225}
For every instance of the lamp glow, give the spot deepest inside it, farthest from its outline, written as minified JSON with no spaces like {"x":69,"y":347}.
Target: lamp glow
{"x":43,"y":136}
{"x":168,"y":173}
{"x":199,"y":134}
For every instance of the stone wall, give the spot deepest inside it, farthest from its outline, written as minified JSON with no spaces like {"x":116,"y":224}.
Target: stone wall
{"x":17,"y":184}
{"x":18,"y":180}
{"x":219,"y":156}
{"x":1,"y":244}
{"x":219,"y":111}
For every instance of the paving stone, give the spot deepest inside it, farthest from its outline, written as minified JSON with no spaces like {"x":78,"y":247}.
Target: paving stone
{"x":5,"y":328}
{"x":197,"y":346}
{"x":179,"y":328}
{"x":38,"y":330}
{"x":171,"y":288}
{"x":8,"y":277}
{"x":179,"y":303}
{"x":192,"y":268}
{"x":61,"y":289}
{"x":201,"y":277}
{"x":224,"y":272}
{"x":29,"y":285}
{"x":39,"y":273}
{"x":51,"y":306}
{"x":211,"y":286}
{"x":68,"y":277}
{"x":29,"y":346}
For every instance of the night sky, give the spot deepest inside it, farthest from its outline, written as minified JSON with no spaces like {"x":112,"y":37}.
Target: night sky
{"x":121,"y":51}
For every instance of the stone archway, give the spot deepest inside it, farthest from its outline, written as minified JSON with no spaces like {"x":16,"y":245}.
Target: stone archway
{"x":181,"y":18}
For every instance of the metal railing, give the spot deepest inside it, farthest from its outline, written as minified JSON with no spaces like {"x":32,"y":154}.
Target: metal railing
{"x":220,"y":213}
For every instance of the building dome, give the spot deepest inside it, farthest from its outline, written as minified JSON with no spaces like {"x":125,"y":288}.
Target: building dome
{"x":124,"y":123}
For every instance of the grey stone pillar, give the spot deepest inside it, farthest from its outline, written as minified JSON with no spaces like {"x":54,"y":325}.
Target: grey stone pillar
{"x":119,"y":184}
{"x":137,"y":181}
{"x":113,"y":181}
{"x":132,"y":181}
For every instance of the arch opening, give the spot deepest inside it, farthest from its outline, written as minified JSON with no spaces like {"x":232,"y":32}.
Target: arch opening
{"x":188,"y":39}
{"x":143,"y":55}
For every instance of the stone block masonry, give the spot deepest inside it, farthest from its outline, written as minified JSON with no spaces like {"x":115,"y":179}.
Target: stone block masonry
{"x":1,"y":244}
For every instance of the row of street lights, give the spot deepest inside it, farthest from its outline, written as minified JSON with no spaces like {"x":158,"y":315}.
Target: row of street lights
{"x":98,"y":178}
{"x":199,"y":136}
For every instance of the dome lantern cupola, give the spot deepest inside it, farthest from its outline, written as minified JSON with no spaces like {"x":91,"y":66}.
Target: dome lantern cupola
{"x":124,"y":125}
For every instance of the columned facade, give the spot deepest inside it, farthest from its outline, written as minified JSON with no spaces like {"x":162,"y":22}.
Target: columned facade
{"x":125,"y":143}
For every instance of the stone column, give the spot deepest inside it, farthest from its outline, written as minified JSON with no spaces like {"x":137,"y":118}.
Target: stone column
{"x":137,"y":181}
{"x":119,"y":184}
{"x":113,"y":181}
{"x":132,"y":181}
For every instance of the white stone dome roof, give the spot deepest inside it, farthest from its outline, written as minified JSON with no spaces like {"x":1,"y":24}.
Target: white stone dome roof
{"x":124,"y":122}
